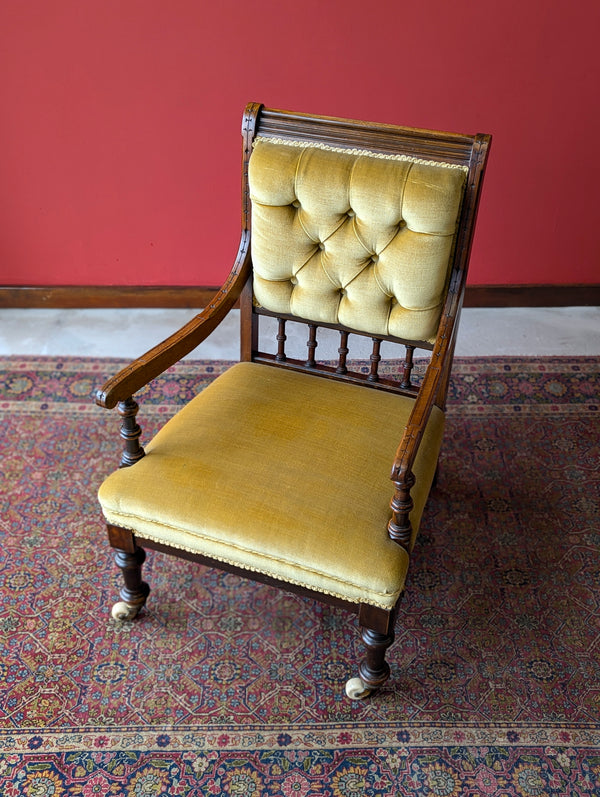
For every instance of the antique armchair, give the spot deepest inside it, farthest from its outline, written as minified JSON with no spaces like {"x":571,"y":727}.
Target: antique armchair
{"x":296,"y":472}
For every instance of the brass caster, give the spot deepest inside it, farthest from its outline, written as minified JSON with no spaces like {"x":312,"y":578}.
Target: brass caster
{"x":122,"y":611}
{"x":356,"y":689}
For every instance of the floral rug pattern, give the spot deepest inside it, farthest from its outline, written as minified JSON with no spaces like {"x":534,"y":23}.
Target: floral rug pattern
{"x":222,"y":686}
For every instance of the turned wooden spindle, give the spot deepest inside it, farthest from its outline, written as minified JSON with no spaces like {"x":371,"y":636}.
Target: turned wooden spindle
{"x":400,"y":527}
{"x":343,"y":352}
{"x":130,"y":433}
{"x":408,"y":366}
{"x":375,"y":358}
{"x":281,"y":339}
{"x":311,"y":345}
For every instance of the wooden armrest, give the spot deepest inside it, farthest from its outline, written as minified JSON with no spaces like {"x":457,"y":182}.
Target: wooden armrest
{"x":147,"y":367}
{"x":400,"y":527}
{"x":443,"y":351}
{"x":411,"y":439}
{"x":438,"y":368}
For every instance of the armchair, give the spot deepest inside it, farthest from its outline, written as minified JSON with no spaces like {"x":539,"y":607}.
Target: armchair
{"x":304,"y":474}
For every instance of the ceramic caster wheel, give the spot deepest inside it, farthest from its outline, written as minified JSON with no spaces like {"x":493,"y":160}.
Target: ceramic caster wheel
{"x":122,"y":611}
{"x":356,"y":690}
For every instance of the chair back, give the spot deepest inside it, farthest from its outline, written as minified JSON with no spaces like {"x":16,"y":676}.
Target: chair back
{"x":365,"y":228}
{"x":353,"y":238}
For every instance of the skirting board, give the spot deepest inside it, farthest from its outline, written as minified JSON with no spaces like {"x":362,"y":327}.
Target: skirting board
{"x":84,"y":296}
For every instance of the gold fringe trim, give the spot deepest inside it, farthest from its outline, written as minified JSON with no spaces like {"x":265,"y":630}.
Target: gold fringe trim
{"x":357,"y":152}
{"x":143,"y":535}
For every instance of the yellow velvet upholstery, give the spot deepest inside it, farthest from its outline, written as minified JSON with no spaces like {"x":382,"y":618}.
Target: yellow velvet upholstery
{"x":349,"y":237}
{"x":283,"y":473}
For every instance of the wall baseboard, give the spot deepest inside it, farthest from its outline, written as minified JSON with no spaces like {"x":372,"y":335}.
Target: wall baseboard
{"x":532,"y":296}
{"x":90,"y":296}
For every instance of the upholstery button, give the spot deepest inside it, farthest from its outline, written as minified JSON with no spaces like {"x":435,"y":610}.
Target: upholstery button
{"x":351,"y":214}
{"x":342,"y":291}
{"x":294,"y":280}
{"x":321,"y":245}
{"x":374,"y":258}
{"x":296,"y":203}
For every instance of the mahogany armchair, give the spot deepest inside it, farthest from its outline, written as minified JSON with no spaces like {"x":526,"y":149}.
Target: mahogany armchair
{"x":304,"y":474}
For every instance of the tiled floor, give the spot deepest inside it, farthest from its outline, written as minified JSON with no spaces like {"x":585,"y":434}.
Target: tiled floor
{"x":129,"y":333}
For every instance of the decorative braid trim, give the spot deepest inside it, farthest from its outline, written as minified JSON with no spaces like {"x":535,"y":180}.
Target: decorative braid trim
{"x":144,"y":535}
{"x":358,"y":152}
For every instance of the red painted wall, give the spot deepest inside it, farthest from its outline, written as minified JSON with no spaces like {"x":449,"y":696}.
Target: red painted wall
{"x":119,"y":142}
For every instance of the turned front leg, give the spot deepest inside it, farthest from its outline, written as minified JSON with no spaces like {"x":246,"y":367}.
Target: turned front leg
{"x":135,"y":591}
{"x":374,"y":669}
{"x":377,"y":631}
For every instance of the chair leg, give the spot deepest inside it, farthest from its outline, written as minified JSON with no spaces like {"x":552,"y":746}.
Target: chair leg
{"x":135,"y":591}
{"x":374,"y":669}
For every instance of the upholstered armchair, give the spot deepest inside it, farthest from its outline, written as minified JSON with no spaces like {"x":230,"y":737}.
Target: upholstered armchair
{"x":304,"y":474}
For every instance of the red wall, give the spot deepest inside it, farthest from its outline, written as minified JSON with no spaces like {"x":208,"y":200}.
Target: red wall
{"x":119,"y":142}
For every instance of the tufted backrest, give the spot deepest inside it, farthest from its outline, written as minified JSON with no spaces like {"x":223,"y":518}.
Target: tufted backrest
{"x":351,"y":237}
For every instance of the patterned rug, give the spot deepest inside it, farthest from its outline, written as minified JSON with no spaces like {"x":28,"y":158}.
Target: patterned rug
{"x":222,"y":686}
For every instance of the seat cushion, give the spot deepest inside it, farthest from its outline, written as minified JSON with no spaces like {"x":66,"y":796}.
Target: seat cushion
{"x":283,"y":473}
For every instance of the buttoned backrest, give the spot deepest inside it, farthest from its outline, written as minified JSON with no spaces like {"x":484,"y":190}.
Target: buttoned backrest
{"x":352,"y":237}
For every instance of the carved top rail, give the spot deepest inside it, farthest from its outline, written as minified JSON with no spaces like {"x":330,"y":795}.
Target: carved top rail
{"x":449,"y":147}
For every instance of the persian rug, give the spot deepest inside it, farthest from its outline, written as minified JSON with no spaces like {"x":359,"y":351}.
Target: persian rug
{"x":222,"y":686}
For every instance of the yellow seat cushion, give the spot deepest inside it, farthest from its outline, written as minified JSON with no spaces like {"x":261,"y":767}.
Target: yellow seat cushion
{"x":283,"y":473}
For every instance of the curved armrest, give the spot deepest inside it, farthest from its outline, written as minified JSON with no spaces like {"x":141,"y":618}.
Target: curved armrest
{"x":147,"y":367}
{"x":441,"y":362}
{"x":443,"y":351}
{"x":400,"y":527}
{"x":413,"y":432}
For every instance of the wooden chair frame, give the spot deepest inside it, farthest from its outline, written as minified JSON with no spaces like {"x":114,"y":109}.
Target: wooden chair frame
{"x":377,"y":624}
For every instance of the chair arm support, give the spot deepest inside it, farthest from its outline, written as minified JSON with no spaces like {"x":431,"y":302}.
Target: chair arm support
{"x":413,"y":432}
{"x":399,"y":527}
{"x":439,"y":366}
{"x":443,"y":351}
{"x":154,"y":362}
